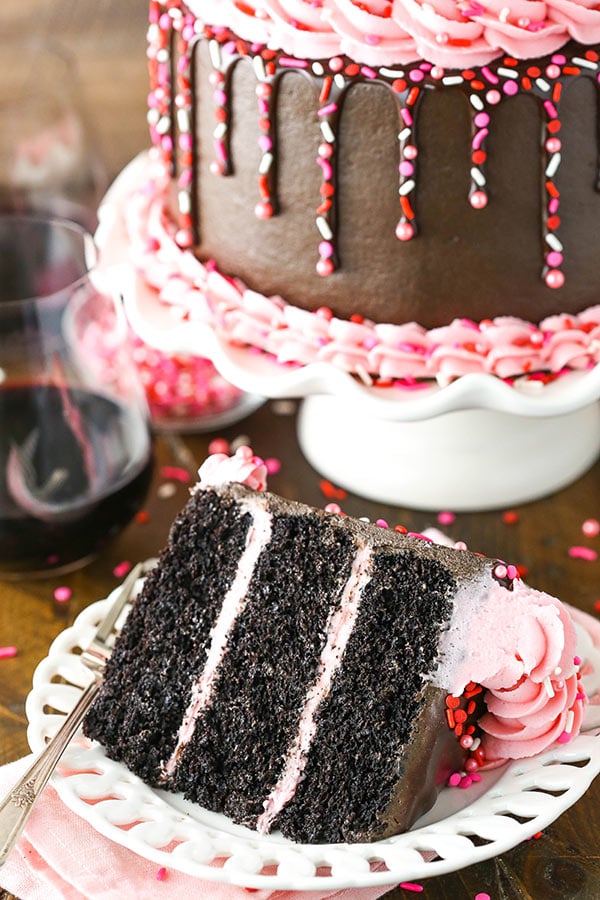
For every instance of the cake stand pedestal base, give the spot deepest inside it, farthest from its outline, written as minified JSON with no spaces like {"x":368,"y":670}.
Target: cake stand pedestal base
{"x":465,"y":460}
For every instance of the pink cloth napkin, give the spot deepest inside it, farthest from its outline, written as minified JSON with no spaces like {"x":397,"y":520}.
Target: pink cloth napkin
{"x":60,"y":857}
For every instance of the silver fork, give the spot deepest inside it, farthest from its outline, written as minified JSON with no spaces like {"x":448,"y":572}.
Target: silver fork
{"x":18,"y":804}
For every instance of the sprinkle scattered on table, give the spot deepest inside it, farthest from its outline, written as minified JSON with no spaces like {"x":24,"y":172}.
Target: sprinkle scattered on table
{"x":445,"y":517}
{"x":510,"y":517}
{"x":586,"y":553}
{"x":8,"y":652}
{"x":591,"y":528}
{"x":62,"y":594}
{"x":121,"y":569}
{"x":175,"y":473}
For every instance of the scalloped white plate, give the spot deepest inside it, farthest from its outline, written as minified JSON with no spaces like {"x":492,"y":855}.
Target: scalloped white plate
{"x":509,"y":805}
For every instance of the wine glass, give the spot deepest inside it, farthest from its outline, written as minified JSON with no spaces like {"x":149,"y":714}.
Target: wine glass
{"x":49,"y":155}
{"x":75,"y":441}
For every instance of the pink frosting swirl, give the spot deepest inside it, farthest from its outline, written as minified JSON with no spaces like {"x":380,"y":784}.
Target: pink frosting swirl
{"x":522,"y":652}
{"x":241,"y":468}
{"x":449,"y":33}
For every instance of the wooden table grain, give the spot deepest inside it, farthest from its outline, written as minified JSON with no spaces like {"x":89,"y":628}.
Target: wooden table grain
{"x":565,"y":861}
{"x":107,"y":41}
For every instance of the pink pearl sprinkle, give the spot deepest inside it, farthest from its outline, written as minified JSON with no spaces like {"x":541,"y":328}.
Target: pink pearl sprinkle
{"x":493,"y":97}
{"x":583,"y":553}
{"x":219,"y":445}
{"x":7,"y":652}
{"x":121,"y":569}
{"x":446,"y":518}
{"x":478,"y":200}
{"x":410,"y":152}
{"x":333,"y":508}
{"x":62,"y":594}
{"x":555,"y":278}
{"x":404,"y":231}
{"x":591,"y":527}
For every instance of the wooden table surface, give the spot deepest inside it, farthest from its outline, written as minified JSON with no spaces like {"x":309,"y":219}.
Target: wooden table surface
{"x":565,"y":862}
{"x":107,"y":41}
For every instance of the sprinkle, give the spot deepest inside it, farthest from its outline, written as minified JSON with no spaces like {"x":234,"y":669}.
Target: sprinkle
{"x":482,"y":895}
{"x":333,"y":508}
{"x":548,"y":687}
{"x":8,"y":652}
{"x":583,"y":553}
{"x":446,"y":518}
{"x":510,"y":517}
{"x":219,"y":445}
{"x":166,"y":490}
{"x":121,"y":569}
{"x":411,"y":886}
{"x":142,"y":516}
{"x":591,"y":527}
{"x":273,"y":465}
{"x":455,"y":779}
{"x":330,"y":491}
{"x":62,"y":594}
{"x":175,"y":473}
{"x":161,"y":874}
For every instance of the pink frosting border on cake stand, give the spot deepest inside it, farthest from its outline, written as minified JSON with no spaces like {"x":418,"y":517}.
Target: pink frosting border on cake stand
{"x":406,"y":355}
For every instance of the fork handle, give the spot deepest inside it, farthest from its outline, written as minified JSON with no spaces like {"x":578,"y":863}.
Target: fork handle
{"x":17,"y":806}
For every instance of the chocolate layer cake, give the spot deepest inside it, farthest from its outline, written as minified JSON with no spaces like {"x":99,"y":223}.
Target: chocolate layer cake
{"x":314,"y":674}
{"x":404,"y":190}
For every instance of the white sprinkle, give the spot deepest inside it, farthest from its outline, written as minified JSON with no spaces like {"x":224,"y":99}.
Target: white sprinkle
{"x":166,"y":490}
{"x":586,"y":63}
{"x":548,"y":686}
{"x":220,"y":131}
{"x":259,"y":67}
{"x":364,"y":519}
{"x":504,"y":14}
{"x":364,"y":375}
{"x":407,"y":187}
{"x":475,"y":744}
{"x":569,"y":722}
{"x":553,"y":241}
{"x":542,"y":84}
{"x":392,"y":73}
{"x":404,"y":134}
{"x":284,"y":407}
{"x":185,"y":202}
{"x":163,"y":125}
{"x":214,"y":50}
{"x":552,"y":167}
{"x":478,"y":176}
{"x":265,"y":164}
{"x":476,"y":102}
{"x":153,"y":116}
{"x":557,"y":670}
{"x":242,"y":440}
{"x":183,"y":120}
{"x":324,"y":229}
{"x":508,"y":73}
{"x":327,"y":132}
{"x":339,"y":80}
{"x":162,"y":56}
{"x":453,"y":79}
{"x":318,"y":69}
{"x":175,"y":13}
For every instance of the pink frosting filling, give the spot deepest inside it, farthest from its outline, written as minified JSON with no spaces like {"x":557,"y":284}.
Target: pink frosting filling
{"x":506,"y":346}
{"x":449,"y":33}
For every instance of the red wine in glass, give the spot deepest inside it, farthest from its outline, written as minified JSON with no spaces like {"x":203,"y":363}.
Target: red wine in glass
{"x":73,"y":472}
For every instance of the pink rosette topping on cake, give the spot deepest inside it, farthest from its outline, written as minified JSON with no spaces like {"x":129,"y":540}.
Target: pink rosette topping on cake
{"x":449,"y":33}
{"x":522,"y":652}
{"x":241,"y":468}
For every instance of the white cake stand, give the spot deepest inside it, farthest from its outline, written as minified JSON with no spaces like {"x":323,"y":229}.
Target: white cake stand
{"x":475,"y":444}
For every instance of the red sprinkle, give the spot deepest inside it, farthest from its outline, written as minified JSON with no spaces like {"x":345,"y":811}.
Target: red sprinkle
{"x":510,"y":517}
{"x":121,"y":569}
{"x":7,"y":652}
{"x":142,"y":516}
{"x":62,"y":594}
{"x":597,"y":606}
{"x":176,"y":473}
{"x":331,"y":492}
{"x":583,"y":553}
{"x":161,"y":874}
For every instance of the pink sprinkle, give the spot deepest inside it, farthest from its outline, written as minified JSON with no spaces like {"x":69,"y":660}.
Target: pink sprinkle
{"x":482,"y":896}
{"x":161,"y":874}
{"x":219,"y":445}
{"x":121,"y":569}
{"x":576,"y":660}
{"x":62,"y":594}
{"x":382,"y":523}
{"x":455,"y":779}
{"x":511,"y":572}
{"x":591,"y":527}
{"x":175,"y":473}
{"x":411,"y":886}
{"x":273,"y":465}
{"x":333,"y":508}
{"x":583,"y":553}
{"x":564,"y":738}
{"x":446,"y":518}
{"x":7,"y":652}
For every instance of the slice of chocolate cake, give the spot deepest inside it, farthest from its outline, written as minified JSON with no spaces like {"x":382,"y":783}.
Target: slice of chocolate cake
{"x":310,"y":673}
